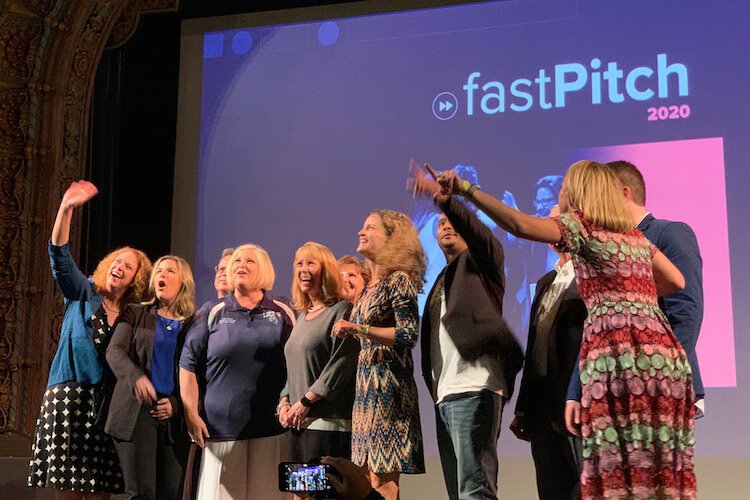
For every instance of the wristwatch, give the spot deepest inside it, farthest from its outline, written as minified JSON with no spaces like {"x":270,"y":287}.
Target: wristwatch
{"x":306,"y":402}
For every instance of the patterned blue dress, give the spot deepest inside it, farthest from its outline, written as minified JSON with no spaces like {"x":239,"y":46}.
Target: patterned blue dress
{"x":386,"y":433}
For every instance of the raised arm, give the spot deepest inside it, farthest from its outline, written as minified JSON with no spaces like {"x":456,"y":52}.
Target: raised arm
{"x":485,"y":248}
{"x":72,"y":282}
{"x":77,"y":194}
{"x":512,"y":220}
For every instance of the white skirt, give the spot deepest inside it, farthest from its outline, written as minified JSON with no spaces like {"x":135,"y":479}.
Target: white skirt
{"x":246,"y":469}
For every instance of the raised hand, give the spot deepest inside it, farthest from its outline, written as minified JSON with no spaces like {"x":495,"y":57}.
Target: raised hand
{"x":450,"y":182}
{"x":510,"y":200}
{"x":78,"y":193}
{"x":419,"y":184}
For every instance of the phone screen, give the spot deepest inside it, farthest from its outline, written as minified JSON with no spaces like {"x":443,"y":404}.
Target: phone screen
{"x":309,"y":478}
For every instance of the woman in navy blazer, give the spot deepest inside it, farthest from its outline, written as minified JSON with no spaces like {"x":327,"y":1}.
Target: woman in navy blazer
{"x":145,"y":416}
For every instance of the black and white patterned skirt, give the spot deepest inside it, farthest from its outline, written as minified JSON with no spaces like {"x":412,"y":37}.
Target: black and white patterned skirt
{"x":70,"y":452}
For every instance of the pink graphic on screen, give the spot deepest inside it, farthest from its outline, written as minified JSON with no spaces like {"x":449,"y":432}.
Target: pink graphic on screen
{"x":685,"y":182}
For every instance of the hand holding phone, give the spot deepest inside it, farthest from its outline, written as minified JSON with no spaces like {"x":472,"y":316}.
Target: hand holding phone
{"x":306,"y":479}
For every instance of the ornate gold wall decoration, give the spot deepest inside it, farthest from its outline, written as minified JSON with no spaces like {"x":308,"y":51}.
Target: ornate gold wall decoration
{"x":49,"y":51}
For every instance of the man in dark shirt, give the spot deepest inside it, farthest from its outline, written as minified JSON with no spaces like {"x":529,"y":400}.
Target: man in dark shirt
{"x":469,"y":357}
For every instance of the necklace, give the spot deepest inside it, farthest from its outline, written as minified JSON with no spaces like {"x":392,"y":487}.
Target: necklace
{"x":111,"y":309}
{"x":169,"y":323}
{"x":316,"y":308}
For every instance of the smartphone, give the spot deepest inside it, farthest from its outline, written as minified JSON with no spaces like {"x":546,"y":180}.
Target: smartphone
{"x":296,"y":477}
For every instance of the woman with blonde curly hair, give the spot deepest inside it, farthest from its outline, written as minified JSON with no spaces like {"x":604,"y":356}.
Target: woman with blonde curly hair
{"x":636,"y":415}
{"x":386,"y":433}
{"x":71,"y":452}
{"x":316,"y":402}
{"x":146,"y":417}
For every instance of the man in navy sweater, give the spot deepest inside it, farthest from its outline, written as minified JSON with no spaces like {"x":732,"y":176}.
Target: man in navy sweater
{"x":677,"y":241}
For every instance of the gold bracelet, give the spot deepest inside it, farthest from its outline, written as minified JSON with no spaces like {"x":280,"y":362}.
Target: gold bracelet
{"x":363,"y":330}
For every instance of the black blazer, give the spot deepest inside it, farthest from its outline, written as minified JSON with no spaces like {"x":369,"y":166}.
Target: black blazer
{"x":564,"y":343}
{"x":129,"y":356}
{"x":474,"y":285}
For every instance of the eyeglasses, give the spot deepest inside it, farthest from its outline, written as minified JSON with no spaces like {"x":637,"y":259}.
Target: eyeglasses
{"x":545,"y":202}
{"x":220,"y":269}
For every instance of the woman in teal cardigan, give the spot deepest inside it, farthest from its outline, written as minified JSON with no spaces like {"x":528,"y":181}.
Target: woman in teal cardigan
{"x":71,"y":453}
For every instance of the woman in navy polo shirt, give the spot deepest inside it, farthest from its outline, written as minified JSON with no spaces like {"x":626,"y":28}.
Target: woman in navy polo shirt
{"x":145,"y":416}
{"x":237,"y":347}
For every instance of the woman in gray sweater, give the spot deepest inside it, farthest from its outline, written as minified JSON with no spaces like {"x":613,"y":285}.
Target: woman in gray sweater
{"x":316,"y":402}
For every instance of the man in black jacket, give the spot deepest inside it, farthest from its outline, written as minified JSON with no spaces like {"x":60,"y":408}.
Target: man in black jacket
{"x":469,"y":357}
{"x":555,"y":329}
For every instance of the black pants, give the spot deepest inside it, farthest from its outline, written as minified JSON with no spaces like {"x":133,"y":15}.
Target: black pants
{"x":557,"y":459}
{"x":153,"y":465}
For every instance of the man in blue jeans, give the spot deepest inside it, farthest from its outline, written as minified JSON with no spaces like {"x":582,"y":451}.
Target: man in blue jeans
{"x":469,"y":357}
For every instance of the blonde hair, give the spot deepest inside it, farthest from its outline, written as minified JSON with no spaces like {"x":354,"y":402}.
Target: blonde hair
{"x":595,"y":191}
{"x":402,"y":251}
{"x":364,"y":270}
{"x":138,"y":289}
{"x":185,"y":300}
{"x":330,"y":283}
{"x":266,"y":273}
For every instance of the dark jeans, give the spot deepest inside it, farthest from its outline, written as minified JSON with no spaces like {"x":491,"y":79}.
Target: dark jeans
{"x":153,"y":466}
{"x":467,"y":430}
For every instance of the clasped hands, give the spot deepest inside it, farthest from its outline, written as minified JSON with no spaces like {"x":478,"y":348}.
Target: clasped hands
{"x":440,"y":184}
{"x":292,"y":415}
{"x":161,"y":409}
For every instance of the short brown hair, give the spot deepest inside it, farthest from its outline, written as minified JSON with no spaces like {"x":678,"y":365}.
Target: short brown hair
{"x":364,"y":269}
{"x":631,"y":177}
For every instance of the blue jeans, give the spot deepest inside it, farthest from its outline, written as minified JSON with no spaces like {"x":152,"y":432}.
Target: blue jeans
{"x":467,"y":431}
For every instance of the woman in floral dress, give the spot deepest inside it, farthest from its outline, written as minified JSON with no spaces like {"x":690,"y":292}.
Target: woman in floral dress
{"x":386,"y":433}
{"x":637,"y":407}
